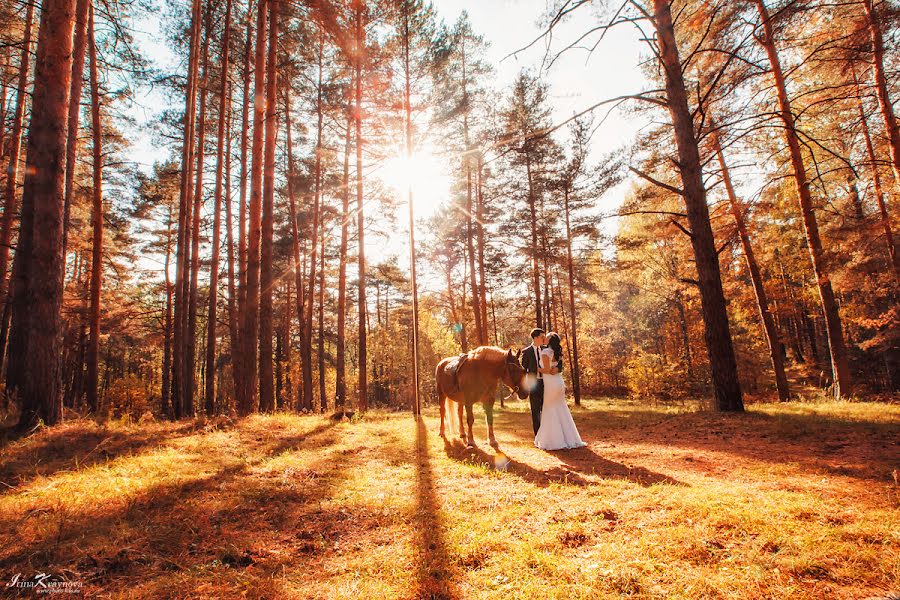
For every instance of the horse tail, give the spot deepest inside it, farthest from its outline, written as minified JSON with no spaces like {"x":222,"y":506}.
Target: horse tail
{"x":454,"y":423}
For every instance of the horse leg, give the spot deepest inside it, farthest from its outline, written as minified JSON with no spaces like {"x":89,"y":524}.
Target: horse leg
{"x":459,"y":420}
{"x":443,"y":402}
{"x":470,"y":419}
{"x":489,"y":417}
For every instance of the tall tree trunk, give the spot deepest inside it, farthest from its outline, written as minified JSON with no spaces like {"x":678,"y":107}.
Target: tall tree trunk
{"x":723,"y":365}
{"x":685,"y":337}
{"x":295,"y":236}
{"x":532,"y":210}
{"x":340,"y":385}
{"x":190,"y":384}
{"x":81,"y":18}
{"x":286,"y":348}
{"x":12,"y":171}
{"x":876,"y":181}
{"x":467,"y":165}
{"x":323,"y":401}
{"x":248,"y":106}
{"x":249,"y":399}
{"x":182,"y":254}
{"x":407,"y":105}
{"x":881,"y":86}
{"x":776,"y":348}
{"x":360,"y":213}
{"x":238,"y":367}
{"x":93,"y":351}
{"x":479,"y":220}
{"x":165,"y":391}
{"x":4,"y":106}
{"x":307,"y":325}
{"x":37,"y":289}
{"x":470,"y":256}
{"x":839,"y":363}
{"x":570,"y":268}
{"x":233,"y":332}
{"x":212,"y":299}
{"x":266,"y":281}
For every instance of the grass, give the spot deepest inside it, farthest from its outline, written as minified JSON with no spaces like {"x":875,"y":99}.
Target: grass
{"x":787,"y":501}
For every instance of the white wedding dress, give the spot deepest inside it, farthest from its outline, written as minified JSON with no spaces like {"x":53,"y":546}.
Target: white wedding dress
{"x":557,"y":430}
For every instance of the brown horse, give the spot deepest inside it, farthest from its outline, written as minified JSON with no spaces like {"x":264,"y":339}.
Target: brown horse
{"x":475,"y":380}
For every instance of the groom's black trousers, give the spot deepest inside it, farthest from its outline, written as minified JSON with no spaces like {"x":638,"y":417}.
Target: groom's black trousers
{"x":536,"y":397}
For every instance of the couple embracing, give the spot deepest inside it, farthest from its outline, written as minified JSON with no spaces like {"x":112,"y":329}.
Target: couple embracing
{"x":554,"y":428}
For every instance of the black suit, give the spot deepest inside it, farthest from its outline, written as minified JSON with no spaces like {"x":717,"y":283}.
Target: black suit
{"x":536,"y":395}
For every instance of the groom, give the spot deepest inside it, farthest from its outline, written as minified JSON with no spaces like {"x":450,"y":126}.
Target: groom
{"x":531,"y":361}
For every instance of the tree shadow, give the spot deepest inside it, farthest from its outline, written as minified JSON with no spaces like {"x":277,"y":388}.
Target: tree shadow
{"x":586,"y":461}
{"x":860,"y":449}
{"x":816,"y":443}
{"x":76,"y":445}
{"x":580,"y":467}
{"x":172,"y":527}
{"x":435,"y":580}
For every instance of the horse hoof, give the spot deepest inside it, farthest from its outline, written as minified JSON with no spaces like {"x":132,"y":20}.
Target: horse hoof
{"x":470,"y":444}
{"x":494,"y":444}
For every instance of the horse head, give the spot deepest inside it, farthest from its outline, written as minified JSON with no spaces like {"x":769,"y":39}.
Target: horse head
{"x":514,"y":374}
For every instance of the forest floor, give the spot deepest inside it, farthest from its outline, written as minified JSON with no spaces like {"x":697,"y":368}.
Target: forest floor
{"x":786,"y":501}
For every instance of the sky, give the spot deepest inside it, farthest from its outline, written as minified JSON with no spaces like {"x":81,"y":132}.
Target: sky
{"x":577,"y":81}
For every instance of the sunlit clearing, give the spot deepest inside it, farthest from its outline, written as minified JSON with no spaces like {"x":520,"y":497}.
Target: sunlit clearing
{"x":425,"y":173}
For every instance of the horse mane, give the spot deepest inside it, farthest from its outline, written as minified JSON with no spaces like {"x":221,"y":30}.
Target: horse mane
{"x":489,"y":354}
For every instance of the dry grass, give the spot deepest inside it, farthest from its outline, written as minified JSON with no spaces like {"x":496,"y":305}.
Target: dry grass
{"x":787,"y":501}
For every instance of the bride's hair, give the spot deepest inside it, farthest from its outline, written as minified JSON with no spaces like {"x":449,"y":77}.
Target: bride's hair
{"x":554,"y":342}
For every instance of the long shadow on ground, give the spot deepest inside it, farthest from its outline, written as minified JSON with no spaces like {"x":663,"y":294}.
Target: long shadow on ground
{"x":76,"y":445}
{"x":435,"y":577}
{"x":859,"y":449}
{"x":578,"y":465}
{"x":176,"y":528}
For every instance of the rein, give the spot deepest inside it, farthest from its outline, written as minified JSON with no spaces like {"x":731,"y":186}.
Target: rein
{"x":512,"y":393}
{"x":515,"y":389}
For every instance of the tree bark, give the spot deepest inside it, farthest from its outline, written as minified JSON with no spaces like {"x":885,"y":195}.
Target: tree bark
{"x":93,"y":350}
{"x":340,"y":385}
{"x":360,"y":213}
{"x":212,"y":299}
{"x":479,"y":220}
{"x":723,"y":365}
{"x":884,"y":99}
{"x":532,"y":210}
{"x":242,"y":207}
{"x":307,"y":325}
{"x":165,"y":391}
{"x":12,"y":171}
{"x":37,"y":301}
{"x":249,"y":399}
{"x":266,"y":382}
{"x":190,"y":384}
{"x":776,"y":348}
{"x":570,"y":267}
{"x":295,"y":235}
{"x":233,"y":327}
{"x":81,"y":18}
{"x":876,"y":182}
{"x":407,"y":105}
{"x":182,"y":254}
{"x":323,"y":401}
{"x":467,"y":165}
{"x":839,"y":363}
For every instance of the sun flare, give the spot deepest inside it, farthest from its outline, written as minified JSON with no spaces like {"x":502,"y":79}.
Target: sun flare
{"x":424,"y":172}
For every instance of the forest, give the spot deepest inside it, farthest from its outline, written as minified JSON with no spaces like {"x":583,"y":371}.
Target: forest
{"x":754,"y":253}
{"x":342,"y":193}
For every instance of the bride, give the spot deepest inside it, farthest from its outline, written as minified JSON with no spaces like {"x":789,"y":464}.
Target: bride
{"x":557,"y":430}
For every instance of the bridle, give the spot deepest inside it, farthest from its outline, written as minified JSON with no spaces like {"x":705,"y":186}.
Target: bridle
{"x":515,"y":389}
